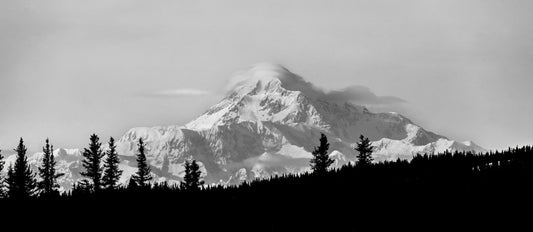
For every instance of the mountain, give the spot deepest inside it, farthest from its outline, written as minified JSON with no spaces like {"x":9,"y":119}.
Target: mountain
{"x":268,"y":124}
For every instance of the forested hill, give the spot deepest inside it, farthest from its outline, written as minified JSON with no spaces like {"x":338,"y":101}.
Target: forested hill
{"x":462,"y":182}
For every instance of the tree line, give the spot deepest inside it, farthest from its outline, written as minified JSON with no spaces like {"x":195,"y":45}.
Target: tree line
{"x":100,"y":175}
{"x":455,"y":173}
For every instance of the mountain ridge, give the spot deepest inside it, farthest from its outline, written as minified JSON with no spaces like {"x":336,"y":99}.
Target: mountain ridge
{"x":276,"y":114}
{"x":268,"y":124}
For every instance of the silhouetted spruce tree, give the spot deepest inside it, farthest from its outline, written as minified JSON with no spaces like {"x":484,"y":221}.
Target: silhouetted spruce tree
{"x":2,"y":179}
{"x":10,"y":181}
{"x":111,"y":171}
{"x":321,"y":160}
{"x":81,"y":188}
{"x":142,"y":176}
{"x":365,"y":149}
{"x":48,"y":185}
{"x":192,"y":179}
{"x":91,"y":162}
{"x":132,"y":184}
{"x":21,"y":180}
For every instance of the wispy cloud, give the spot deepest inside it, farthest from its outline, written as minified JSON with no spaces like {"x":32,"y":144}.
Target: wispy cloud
{"x":356,"y":94}
{"x":361,"y":95}
{"x":177,"y":93}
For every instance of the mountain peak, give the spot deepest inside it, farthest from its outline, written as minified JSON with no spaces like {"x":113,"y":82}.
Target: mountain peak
{"x":259,"y":76}
{"x":268,"y":125}
{"x":270,"y":76}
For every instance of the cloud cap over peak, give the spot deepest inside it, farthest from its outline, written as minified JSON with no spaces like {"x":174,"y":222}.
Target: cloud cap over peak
{"x":266,"y":72}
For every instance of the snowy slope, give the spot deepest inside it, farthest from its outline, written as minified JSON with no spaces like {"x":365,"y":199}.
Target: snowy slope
{"x":268,"y":124}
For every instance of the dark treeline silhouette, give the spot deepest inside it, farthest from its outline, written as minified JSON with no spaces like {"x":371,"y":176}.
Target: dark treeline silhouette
{"x":448,"y":172}
{"x":321,"y":161}
{"x":111,"y":171}
{"x":143,"y":176}
{"x":91,"y":162}
{"x":192,"y":181}
{"x":48,"y":185}
{"x":462,"y":173}
{"x":364,"y":148}
{"x":2,"y":178}
{"x":20,"y":178}
{"x":449,"y":180}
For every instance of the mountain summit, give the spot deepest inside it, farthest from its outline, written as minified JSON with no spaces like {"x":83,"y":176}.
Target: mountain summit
{"x":265,"y":92}
{"x":268,"y":123}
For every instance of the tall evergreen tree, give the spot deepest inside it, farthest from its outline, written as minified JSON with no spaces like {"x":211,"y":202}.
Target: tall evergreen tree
{"x":321,"y":160}
{"x":91,"y":162}
{"x":111,"y":171}
{"x":10,"y":181}
{"x":2,"y":181}
{"x":192,"y":180}
{"x":132,"y":184}
{"x":365,"y":149}
{"x":21,"y":180}
{"x":142,"y":176}
{"x":48,"y":185}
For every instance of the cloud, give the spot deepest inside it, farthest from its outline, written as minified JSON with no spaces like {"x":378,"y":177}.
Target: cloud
{"x":178,"y":93}
{"x":361,"y":95}
{"x":356,"y":94}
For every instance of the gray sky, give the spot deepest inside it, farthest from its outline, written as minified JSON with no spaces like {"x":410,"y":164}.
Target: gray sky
{"x":70,"y":68}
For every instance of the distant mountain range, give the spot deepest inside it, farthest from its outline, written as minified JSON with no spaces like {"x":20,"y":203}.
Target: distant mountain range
{"x":268,"y":124}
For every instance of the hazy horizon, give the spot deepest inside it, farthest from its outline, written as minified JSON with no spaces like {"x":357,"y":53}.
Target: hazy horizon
{"x":72,"y":68}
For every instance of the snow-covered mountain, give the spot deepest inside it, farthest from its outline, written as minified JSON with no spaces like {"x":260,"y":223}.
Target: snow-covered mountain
{"x":268,"y":124}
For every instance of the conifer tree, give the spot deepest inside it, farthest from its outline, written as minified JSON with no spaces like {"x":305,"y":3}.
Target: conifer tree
{"x":132,"y":184}
{"x":48,"y":185}
{"x":321,"y":160}
{"x":365,"y":149}
{"x":21,"y":180}
{"x":111,"y":171}
{"x":192,"y":179}
{"x":143,"y":175}
{"x":2,"y":179}
{"x":91,"y":162}
{"x":10,"y":181}
{"x":81,"y":188}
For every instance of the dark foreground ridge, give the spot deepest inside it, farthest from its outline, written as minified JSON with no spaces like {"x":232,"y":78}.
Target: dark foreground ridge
{"x":459,"y":183}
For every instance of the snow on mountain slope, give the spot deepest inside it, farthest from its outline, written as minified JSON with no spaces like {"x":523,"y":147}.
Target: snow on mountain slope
{"x":68,"y":163}
{"x":270,"y":121}
{"x":268,"y":124}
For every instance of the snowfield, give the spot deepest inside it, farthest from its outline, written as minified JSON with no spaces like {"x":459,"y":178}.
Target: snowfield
{"x":268,"y":124}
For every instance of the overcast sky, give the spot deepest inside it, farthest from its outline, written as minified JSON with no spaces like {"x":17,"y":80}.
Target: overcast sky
{"x":70,"y":68}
